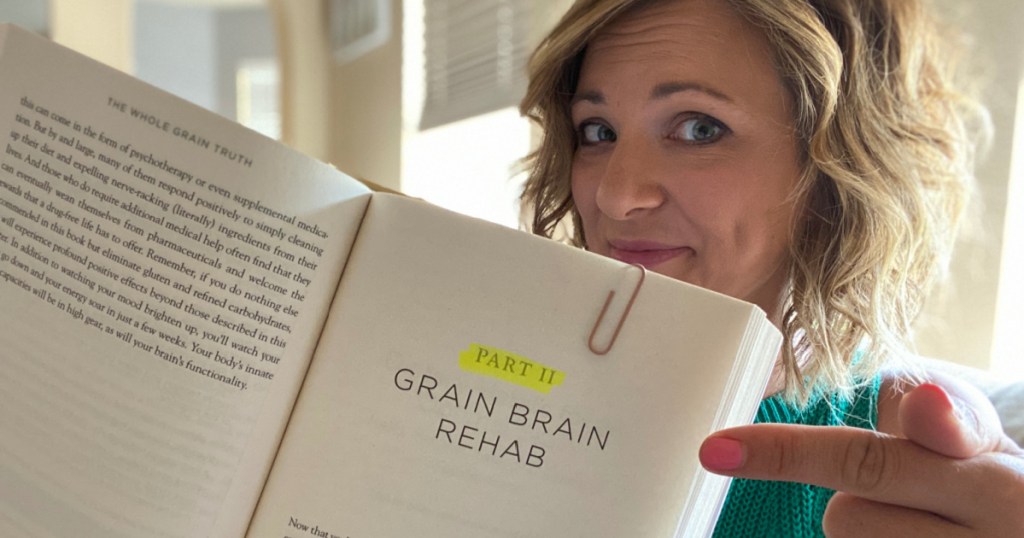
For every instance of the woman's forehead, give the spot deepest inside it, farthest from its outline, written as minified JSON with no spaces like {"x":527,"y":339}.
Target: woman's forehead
{"x":703,"y":42}
{"x":676,"y":27}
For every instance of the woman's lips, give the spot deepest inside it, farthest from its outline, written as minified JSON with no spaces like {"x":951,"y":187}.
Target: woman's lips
{"x":645,"y":253}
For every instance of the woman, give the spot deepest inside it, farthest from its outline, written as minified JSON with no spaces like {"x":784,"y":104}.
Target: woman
{"x":811,"y":157}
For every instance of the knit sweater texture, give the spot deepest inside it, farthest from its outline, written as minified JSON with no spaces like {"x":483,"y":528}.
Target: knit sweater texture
{"x":755,"y":508}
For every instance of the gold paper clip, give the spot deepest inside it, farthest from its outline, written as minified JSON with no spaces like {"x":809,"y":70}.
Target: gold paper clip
{"x":622,"y":320}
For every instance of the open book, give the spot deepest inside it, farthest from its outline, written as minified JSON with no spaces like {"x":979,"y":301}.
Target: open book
{"x":204,"y":333}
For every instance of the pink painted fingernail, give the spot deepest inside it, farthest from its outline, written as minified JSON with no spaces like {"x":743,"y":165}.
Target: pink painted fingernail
{"x":937,"y":392}
{"x":722,"y":454}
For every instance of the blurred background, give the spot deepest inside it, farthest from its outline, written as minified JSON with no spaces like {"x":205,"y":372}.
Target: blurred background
{"x":420,"y":95}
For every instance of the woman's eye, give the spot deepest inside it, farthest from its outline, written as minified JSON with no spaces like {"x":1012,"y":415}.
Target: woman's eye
{"x":595,"y":133}
{"x":700,"y":130}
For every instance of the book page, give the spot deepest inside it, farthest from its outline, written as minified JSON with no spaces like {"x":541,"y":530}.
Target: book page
{"x":164,"y":275}
{"x":453,"y":392}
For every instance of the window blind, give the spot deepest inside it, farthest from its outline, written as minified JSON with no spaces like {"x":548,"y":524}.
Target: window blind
{"x":475,"y":57}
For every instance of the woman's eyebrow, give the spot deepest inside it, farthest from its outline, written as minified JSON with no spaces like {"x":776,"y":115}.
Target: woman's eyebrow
{"x":590,"y":96}
{"x":666,"y":89}
{"x":661,"y":91}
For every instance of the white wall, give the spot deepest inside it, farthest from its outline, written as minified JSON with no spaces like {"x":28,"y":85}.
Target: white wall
{"x":958,"y":324}
{"x":32,"y":15}
{"x":243,"y":33}
{"x":174,"y":50}
{"x":194,"y":50}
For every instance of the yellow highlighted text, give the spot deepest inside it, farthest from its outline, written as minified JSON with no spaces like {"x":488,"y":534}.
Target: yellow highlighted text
{"x":507,"y":366}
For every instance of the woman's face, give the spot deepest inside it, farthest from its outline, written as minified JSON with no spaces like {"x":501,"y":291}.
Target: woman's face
{"x":687,"y":158}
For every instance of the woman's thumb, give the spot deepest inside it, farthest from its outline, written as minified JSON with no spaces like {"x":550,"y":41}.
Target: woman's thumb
{"x":952,"y":420}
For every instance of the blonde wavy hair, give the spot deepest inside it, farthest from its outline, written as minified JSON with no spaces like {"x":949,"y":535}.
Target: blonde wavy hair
{"x":888,"y":144}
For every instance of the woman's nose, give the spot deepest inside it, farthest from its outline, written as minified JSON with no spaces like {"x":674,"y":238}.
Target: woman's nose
{"x":629,"y":186}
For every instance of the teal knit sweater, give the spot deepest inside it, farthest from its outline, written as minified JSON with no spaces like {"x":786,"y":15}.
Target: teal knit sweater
{"x":784,"y":509}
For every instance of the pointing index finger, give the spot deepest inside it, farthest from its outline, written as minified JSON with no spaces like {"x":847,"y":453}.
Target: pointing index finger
{"x":860,"y":462}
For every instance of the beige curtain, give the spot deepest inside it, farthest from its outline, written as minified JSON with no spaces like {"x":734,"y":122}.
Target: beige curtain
{"x":78,"y":24}
{"x":304,"y":56}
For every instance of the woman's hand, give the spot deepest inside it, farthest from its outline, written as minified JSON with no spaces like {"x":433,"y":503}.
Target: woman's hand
{"x":950,"y":472}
